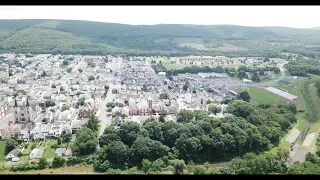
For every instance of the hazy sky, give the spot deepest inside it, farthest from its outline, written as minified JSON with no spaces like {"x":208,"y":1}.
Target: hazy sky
{"x":289,"y":16}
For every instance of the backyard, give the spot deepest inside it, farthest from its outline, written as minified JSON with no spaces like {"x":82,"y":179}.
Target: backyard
{"x":2,"y":154}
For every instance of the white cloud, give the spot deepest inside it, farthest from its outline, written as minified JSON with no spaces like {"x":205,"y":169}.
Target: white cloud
{"x":290,"y":16}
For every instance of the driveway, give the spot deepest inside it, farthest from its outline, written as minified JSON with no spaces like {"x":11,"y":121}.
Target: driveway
{"x":297,"y":154}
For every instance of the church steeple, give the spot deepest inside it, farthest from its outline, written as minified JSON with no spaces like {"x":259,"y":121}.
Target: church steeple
{"x":27,"y":102}
{"x":15,"y":103}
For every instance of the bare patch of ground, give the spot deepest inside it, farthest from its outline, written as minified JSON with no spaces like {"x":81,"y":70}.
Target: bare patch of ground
{"x":292,"y":137}
{"x":307,"y":142}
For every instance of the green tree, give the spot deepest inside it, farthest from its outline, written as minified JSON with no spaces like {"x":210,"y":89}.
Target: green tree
{"x":146,"y":148}
{"x":65,"y":63}
{"x":185,"y":87}
{"x":106,"y":87}
{"x":185,"y":116}
{"x":58,"y":162}
{"x":65,"y":107}
{"x":133,"y":170}
{"x":255,"y":77}
{"x":10,"y":145}
{"x":161,"y":118}
{"x":213,"y":109}
{"x":86,"y":141}
{"x":128,"y":132}
{"x":42,"y":163}
{"x":69,"y":70}
{"x":59,"y":141}
{"x":66,"y":137}
{"x":114,"y":91}
{"x":91,"y":78}
{"x":93,"y":124}
{"x":178,"y":166}
{"x":152,"y":167}
{"x":244,"y":96}
{"x":116,"y":153}
{"x":105,"y":139}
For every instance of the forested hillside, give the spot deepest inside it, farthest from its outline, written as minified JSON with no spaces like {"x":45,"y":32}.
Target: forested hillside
{"x":86,"y":37}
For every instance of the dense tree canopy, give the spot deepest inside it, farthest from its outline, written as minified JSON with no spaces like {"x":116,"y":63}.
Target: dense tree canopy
{"x":86,"y":141}
{"x":196,"y":137}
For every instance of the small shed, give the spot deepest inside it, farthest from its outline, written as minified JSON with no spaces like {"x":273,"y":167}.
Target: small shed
{"x":36,"y":153}
{"x":12,"y":154}
{"x":60,"y":151}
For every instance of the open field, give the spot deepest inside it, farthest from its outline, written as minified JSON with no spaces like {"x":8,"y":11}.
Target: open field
{"x":262,"y":96}
{"x":307,"y":142}
{"x":2,"y":148}
{"x":292,"y":137}
{"x":77,"y":169}
{"x":167,"y":63}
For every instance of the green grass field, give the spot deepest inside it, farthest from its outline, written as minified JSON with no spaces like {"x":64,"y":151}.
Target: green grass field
{"x":48,"y":149}
{"x":167,"y":63}
{"x":2,"y":148}
{"x":306,"y":93}
{"x":262,"y":96}
{"x":76,"y":169}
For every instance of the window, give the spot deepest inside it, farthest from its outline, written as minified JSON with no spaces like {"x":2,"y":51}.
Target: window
{"x":28,"y":119}
{"x":22,"y":114}
{"x":17,"y":119}
{"x":16,"y":112}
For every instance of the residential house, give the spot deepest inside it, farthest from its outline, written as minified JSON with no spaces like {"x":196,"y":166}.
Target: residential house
{"x":24,"y":134}
{"x":8,"y":131}
{"x":87,"y":112}
{"x":40,"y":131}
{"x":60,"y":152}
{"x":4,"y":109}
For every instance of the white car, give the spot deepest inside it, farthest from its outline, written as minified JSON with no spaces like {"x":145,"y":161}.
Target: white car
{"x":15,"y":159}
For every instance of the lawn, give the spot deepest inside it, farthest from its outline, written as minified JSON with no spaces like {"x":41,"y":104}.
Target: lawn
{"x":310,"y":104}
{"x":283,"y":144}
{"x":49,"y":150}
{"x":262,"y":96}
{"x":76,"y":169}
{"x":25,"y":153}
{"x":167,"y":63}
{"x":2,"y":148}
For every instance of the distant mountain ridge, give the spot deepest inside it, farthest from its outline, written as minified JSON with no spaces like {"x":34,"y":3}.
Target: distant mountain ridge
{"x":88,"y":37}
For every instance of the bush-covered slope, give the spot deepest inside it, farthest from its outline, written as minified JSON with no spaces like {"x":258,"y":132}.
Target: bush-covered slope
{"x":86,"y":37}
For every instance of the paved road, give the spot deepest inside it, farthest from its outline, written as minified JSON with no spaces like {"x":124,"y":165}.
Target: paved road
{"x":297,"y":154}
{"x":104,"y":119}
